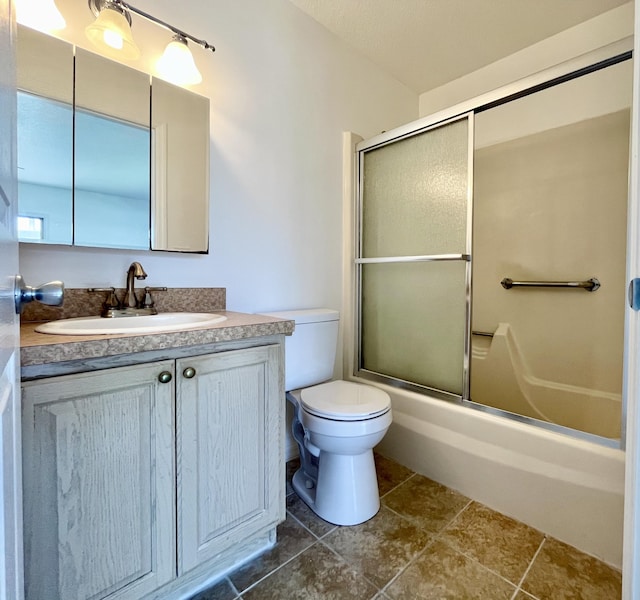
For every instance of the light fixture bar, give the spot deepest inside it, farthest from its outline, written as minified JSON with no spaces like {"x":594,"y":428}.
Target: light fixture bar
{"x":98,"y":5}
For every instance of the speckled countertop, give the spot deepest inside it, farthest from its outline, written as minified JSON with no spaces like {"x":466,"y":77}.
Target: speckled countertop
{"x":42,"y":348}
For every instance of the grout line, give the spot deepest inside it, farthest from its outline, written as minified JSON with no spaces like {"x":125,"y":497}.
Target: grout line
{"x":526,"y":572}
{"x":233,"y":587}
{"x":455,"y":517}
{"x":299,"y":522}
{"x":255,"y":583}
{"x":324,"y":535}
{"x":398,"y":485}
{"x":409,"y":564}
{"x":482,"y":566}
{"x":438,"y":535}
{"x":408,"y":519}
{"x":353,"y":567}
{"x":315,"y":535}
{"x":432,"y":534}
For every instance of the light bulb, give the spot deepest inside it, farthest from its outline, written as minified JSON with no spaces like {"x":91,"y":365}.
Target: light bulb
{"x":42,"y":15}
{"x":111,"y":38}
{"x":177,"y":65}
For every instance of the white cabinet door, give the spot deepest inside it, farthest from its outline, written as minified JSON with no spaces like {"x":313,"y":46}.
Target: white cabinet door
{"x":229,"y":450}
{"x":99,"y":484}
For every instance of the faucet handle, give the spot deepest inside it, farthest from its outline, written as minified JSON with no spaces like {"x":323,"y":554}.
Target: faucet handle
{"x":147,"y":301}
{"x":111,"y":301}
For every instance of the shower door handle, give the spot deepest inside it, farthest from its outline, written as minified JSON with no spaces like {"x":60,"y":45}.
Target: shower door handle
{"x":634,"y":293}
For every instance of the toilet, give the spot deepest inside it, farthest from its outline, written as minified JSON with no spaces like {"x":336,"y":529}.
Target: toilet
{"x":336,"y":423}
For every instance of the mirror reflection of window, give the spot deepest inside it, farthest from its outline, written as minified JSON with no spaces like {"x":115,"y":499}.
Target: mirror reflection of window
{"x":30,"y":228}
{"x":45,"y":159}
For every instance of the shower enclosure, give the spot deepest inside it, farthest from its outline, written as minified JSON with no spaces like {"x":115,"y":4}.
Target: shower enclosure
{"x":491,"y":252}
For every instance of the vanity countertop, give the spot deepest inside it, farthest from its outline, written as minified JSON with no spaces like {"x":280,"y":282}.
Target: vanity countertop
{"x":42,"y":348}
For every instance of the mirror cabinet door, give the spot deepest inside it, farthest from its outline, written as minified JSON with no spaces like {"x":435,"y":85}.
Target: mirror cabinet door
{"x":180,"y":133}
{"x":85,"y":170}
{"x":45,"y":138}
{"x":112,"y":154}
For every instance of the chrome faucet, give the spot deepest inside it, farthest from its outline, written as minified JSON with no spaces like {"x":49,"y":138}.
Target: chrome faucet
{"x":135,"y":271}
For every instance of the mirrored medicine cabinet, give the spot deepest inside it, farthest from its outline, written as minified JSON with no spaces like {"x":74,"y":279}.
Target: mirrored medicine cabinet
{"x":108,"y":156}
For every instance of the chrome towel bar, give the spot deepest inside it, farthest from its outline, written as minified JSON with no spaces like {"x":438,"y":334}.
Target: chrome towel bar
{"x":590,"y":286}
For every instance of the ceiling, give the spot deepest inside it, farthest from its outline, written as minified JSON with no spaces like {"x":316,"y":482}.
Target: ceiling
{"x":426,"y":43}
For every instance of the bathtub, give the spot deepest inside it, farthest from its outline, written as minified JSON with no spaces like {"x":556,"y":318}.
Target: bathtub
{"x":570,"y":489}
{"x":502,"y":379}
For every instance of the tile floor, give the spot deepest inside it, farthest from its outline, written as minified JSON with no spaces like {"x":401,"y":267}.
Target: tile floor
{"x":427,"y":541}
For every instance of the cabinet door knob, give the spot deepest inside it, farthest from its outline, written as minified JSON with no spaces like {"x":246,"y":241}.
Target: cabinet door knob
{"x":165,"y":377}
{"x":189,"y":372}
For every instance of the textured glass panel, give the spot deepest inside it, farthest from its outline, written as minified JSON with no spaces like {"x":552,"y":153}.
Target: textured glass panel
{"x":415,"y":194}
{"x":413,"y":322}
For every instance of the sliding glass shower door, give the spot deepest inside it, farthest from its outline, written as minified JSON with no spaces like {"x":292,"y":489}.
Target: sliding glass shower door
{"x":414,"y":258}
{"x":546,"y":163}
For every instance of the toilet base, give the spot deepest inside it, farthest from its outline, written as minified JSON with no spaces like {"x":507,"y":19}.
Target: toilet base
{"x":346,"y":490}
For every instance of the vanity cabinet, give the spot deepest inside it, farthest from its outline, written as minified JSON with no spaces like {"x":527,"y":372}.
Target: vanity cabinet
{"x":136,"y":476}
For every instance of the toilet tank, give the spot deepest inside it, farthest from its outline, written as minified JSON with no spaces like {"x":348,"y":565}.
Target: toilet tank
{"x":310,"y":353}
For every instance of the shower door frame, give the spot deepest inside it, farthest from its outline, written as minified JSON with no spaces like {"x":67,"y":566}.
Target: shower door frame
{"x":590,"y":62}
{"x":463,"y":256}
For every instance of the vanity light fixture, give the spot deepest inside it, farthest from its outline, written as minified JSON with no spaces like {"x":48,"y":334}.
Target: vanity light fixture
{"x":42,"y":15}
{"x":112,"y":33}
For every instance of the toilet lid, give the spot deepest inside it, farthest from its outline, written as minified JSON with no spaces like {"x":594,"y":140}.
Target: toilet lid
{"x":345,"y":401}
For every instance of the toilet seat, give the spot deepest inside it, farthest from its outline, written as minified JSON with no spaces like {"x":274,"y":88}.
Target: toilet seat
{"x":345,"y":401}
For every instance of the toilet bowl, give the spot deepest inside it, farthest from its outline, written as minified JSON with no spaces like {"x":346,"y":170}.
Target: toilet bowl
{"x":336,"y":424}
{"x":343,"y":488}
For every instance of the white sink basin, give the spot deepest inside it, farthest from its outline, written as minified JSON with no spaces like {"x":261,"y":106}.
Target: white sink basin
{"x":138,"y":324}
